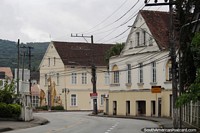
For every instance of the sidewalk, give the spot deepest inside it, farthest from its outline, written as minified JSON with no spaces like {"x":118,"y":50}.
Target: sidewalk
{"x":8,"y":125}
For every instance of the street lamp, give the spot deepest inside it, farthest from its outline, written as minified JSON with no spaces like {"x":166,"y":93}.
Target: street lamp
{"x":66,"y":91}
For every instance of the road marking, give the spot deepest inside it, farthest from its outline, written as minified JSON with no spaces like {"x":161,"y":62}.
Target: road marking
{"x":110,"y":129}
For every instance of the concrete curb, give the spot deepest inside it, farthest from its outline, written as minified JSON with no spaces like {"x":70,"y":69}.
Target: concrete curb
{"x":5,"y":129}
{"x":131,"y":117}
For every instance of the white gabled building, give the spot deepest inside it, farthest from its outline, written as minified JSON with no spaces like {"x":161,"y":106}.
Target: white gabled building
{"x":143,"y":63}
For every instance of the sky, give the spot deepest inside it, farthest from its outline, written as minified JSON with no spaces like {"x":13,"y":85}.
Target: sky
{"x":56,"y":20}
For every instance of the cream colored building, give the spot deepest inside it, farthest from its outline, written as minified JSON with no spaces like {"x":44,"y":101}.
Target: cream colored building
{"x":143,"y":63}
{"x":69,"y":66}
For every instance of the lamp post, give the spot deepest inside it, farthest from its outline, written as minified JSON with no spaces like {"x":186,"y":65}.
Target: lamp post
{"x":66,"y":91}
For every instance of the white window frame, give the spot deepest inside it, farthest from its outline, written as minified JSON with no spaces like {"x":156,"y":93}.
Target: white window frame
{"x":116,"y":77}
{"x":106,"y":78}
{"x":144,"y":37}
{"x":102,"y":100}
{"x":129,"y":73}
{"x":141,"y":74}
{"x":84,"y":78}
{"x":54,"y":61}
{"x":49,"y":62}
{"x":153,"y":67}
{"x":58,"y":78}
{"x":150,"y":41}
{"x":169,"y":73}
{"x":35,"y":100}
{"x":73,"y":100}
{"x":137,"y":37}
{"x":46,"y":80}
{"x":73,"y":78}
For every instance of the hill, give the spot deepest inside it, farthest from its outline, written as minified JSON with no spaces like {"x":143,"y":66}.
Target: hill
{"x":8,"y":54}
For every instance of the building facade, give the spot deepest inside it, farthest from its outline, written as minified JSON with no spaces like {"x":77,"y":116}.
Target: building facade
{"x":144,"y":63}
{"x":67,"y":66}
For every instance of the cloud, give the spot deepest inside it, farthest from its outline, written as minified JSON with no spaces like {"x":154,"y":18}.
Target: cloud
{"x":37,"y":20}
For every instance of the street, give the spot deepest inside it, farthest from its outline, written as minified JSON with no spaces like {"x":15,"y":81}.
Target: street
{"x":80,"y":122}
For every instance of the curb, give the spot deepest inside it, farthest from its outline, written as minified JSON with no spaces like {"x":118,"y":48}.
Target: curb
{"x":129,"y":117}
{"x":5,"y":129}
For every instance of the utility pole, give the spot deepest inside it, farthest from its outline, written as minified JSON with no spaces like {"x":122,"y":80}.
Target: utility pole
{"x":172,"y":55}
{"x":18,"y":58}
{"x":29,"y":59}
{"x":23,"y":58}
{"x":93,"y":70}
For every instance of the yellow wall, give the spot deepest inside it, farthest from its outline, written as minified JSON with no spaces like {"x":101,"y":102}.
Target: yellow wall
{"x":139,"y":95}
{"x":81,"y":90}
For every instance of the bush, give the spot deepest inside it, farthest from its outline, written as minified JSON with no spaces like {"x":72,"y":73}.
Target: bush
{"x":42,"y":108}
{"x":10,"y":110}
{"x":59,"y":107}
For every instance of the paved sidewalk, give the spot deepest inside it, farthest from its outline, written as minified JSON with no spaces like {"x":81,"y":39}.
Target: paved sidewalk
{"x":8,"y":125}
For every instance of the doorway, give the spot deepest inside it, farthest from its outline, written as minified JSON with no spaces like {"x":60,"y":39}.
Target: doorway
{"x":114,"y":107}
{"x":107,"y":106}
{"x":170,"y":105}
{"x":128,"y":108}
{"x":153,"y":108}
{"x":159,"y":107}
{"x":141,"y":108}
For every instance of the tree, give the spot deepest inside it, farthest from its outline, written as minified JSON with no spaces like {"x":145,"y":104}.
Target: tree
{"x":7,"y":93}
{"x":186,"y":12}
{"x":192,"y":93}
{"x":115,"y":50}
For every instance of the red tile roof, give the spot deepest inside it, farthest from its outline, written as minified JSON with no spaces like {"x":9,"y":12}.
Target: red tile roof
{"x":158,"y":23}
{"x":78,"y":53}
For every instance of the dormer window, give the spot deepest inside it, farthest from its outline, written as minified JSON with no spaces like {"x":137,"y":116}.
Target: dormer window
{"x":144,"y":37}
{"x":150,"y":41}
{"x":137,"y":39}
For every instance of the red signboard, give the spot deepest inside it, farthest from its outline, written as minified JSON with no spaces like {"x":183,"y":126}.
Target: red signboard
{"x":93,"y":94}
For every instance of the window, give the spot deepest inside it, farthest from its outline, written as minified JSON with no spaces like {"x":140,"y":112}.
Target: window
{"x":57,"y":78}
{"x":116,"y":77}
{"x":49,"y":61}
{"x":106,"y":77}
{"x":54,"y":61}
{"x":144,"y":37}
{"x":140,"y":73}
{"x":150,"y":41}
{"x":102,"y":99}
{"x":84,"y":78}
{"x":35,"y":101}
{"x":153,"y":64}
{"x":128,"y":73}
{"x":169,"y":71}
{"x":73,"y":100}
{"x":137,"y":38}
{"x":74,"y":78}
{"x":46,"y":80}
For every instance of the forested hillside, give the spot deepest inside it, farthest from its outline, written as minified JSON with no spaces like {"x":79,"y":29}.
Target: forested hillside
{"x":8,"y":53}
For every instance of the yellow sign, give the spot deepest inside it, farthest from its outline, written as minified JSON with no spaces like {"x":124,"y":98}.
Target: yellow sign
{"x":156,"y":89}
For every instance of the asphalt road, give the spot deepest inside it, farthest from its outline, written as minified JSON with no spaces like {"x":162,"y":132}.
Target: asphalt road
{"x":80,"y":122}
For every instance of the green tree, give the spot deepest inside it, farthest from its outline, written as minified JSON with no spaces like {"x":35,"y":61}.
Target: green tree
{"x":186,"y":12}
{"x":115,"y":50}
{"x":7,"y":93}
{"x":192,"y":93}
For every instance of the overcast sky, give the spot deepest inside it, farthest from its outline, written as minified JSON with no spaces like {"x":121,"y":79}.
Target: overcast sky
{"x":47,"y":20}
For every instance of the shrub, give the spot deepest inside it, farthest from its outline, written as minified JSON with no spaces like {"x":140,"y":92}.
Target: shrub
{"x":10,"y":110}
{"x":59,"y":107}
